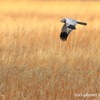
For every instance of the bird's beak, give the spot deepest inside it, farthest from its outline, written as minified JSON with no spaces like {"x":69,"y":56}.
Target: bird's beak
{"x":61,"y":21}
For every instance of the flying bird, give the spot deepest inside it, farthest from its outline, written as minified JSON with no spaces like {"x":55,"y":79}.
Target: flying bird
{"x":69,"y":25}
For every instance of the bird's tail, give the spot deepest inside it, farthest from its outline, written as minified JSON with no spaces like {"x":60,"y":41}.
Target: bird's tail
{"x":82,"y":23}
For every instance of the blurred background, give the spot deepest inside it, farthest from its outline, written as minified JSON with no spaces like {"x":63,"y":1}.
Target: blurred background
{"x":37,"y":62}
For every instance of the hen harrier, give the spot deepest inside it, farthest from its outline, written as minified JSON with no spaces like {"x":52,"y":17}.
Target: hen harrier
{"x":69,"y":25}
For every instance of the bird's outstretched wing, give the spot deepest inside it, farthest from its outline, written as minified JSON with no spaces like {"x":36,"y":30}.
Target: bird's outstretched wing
{"x":65,"y":32}
{"x":82,"y":23}
{"x":63,"y":36}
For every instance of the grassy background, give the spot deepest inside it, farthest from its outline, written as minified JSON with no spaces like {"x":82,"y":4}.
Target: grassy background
{"x":35,"y":64}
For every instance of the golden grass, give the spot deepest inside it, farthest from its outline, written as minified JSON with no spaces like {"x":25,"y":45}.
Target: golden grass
{"x":36,"y":64}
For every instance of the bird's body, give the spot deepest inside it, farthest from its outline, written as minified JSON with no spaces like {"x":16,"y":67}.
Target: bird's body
{"x":69,"y":25}
{"x":70,"y":21}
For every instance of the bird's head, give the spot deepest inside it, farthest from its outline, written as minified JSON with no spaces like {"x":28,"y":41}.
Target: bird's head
{"x":63,"y":20}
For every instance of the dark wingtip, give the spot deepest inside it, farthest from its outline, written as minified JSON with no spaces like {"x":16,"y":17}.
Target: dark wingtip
{"x":85,"y":24}
{"x":63,"y":39}
{"x":82,"y":23}
{"x":63,"y":36}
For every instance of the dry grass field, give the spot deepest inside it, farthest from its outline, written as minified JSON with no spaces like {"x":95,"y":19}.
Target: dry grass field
{"x":35,"y":64}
